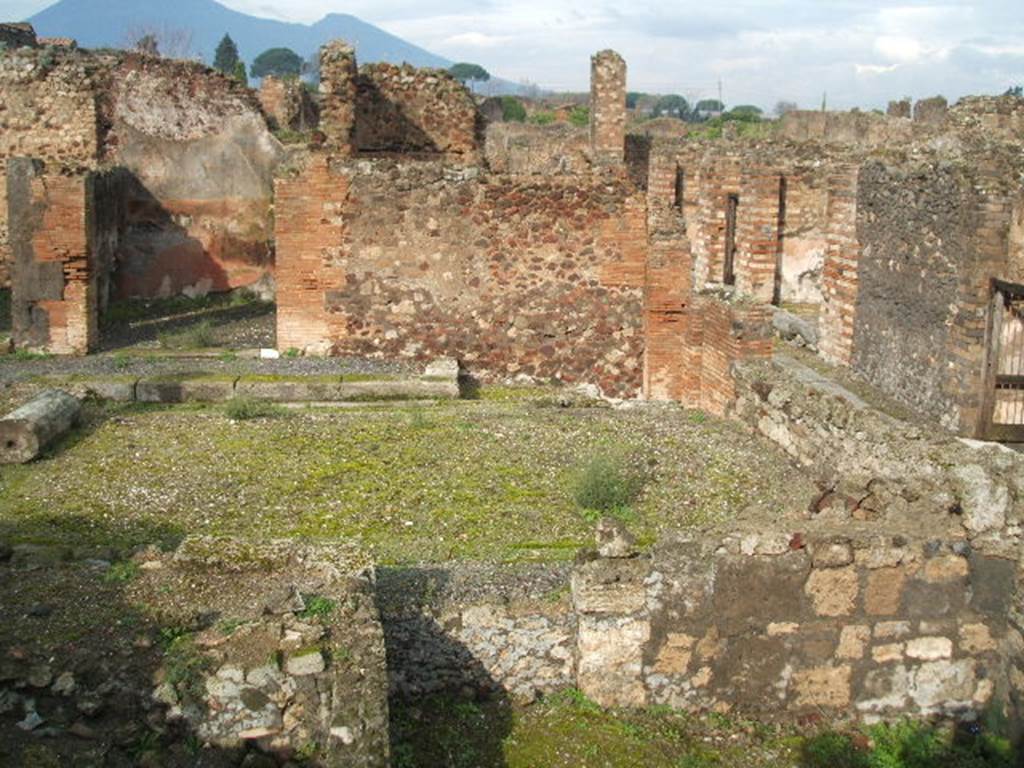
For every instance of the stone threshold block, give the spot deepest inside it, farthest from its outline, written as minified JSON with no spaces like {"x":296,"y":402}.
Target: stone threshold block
{"x":26,"y":433}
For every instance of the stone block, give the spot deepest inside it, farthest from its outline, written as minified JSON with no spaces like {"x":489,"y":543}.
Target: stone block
{"x":610,"y":665}
{"x":929,"y":648}
{"x":884,"y":591}
{"x":944,"y":686}
{"x":675,"y":654}
{"x":610,"y":586}
{"x":885,"y":690}
{"x":185,"y":390}
{"x":976,"y":638}
{"x":884,"y":654}
{"x":832,"y":554}
{"x":853,"y":641}
{"x":833,"y":591}
{"x":822,"y":687}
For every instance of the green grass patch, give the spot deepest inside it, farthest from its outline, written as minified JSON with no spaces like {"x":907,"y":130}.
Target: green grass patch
{"x":463,"y":480}
{"x":199,"y":336}
{"x":568,"y":730}
{"x":121,"y":572}
{"x":318,"y":607}
{"x":245,"y":408}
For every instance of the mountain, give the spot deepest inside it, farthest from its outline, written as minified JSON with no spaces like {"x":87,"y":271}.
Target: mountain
{"x":109,"y":23}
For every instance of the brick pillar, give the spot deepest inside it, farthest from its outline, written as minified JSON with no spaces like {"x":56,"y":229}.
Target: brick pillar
{"x":608,"y":108}
{"x":840,"y":276}
{"x":757,"y":233}
{"x":338,"y":73}
{"x":53,"y":272}
{"x":309,"y":231}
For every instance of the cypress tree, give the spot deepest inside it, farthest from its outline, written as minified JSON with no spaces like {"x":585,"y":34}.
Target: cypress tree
{"x":226,"y":58}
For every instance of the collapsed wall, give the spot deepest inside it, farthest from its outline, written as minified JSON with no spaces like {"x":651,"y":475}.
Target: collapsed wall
{"x":198,"y":210}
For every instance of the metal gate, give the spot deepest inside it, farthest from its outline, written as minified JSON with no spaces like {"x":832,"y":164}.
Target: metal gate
{"x":1004,"y":403}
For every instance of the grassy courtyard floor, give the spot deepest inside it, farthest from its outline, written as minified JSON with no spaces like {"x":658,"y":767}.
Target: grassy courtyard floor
{"x":487,"y":479}
{"x":568,"y":731}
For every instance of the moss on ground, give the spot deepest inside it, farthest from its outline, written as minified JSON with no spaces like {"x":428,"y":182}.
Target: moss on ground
{"x":462,"y":480}
{"x":568,"y":731}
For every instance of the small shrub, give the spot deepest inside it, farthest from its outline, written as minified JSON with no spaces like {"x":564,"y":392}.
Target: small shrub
{"x":608,"y":485}
{"x":512,"y":109}
{"x":833,"y":750}
{"x":542,"y":118}
{"x":292,"y":352}
{"x":185,"y":667}
{"x":580,"y":117}
{"x":318,"y":607}
{"x":198,"y":336}
{"x":245,"y":408}
{"x":121,"y":361}
{"x":118,"y":573}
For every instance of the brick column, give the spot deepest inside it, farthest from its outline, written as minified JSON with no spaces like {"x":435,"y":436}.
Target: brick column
{"x":839,"y":280}
{"x":52,"y":222}
{"x":757,"y":233}
{"x":608,"y":108}
{"x":338,"y":73}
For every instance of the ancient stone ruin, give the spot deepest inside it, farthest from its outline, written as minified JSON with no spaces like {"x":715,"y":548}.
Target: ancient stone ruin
{"x":642,"y":265}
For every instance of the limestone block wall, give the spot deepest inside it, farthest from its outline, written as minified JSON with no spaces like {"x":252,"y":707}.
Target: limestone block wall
{"x":513,"y":275}
{"x":785,"y":625}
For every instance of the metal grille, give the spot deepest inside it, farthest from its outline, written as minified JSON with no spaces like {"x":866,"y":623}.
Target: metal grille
{"x":1005,"y":397}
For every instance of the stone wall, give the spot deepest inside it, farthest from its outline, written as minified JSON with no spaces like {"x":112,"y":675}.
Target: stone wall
{"x":513,"y":275}
{"x":485,"y":629}
{"x":607,"y":107}
{"x":932,"y":235}
{"x":287,"y":104}
{"x":17,"y":36}
{"x":199,"y":216}
{"x":287,"y":657}
{"x":405,"y":109}
{"x":518,"y":148}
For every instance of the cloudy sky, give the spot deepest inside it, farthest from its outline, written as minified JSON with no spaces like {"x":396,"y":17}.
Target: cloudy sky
{"x":862,"y":53}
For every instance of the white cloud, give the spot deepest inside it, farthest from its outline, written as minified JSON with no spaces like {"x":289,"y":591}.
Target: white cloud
{"x":862,"y":52}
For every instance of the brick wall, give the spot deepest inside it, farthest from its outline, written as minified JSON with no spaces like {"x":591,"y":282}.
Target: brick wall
{"x":607,"y":107}
{"x":540,"y":277}
{"x":731,"y":332}
{"x":58,"y":255}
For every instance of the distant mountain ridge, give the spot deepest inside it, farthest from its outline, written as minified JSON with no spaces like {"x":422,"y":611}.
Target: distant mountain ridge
{"x":108,"y":23}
